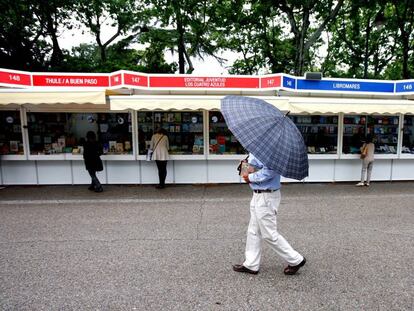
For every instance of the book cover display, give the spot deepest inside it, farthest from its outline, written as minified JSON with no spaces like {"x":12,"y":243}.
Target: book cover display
{"x":221,"y":140}
{"x":319,"y":132}
{"x":184,"y":130}
{"x":11,"y":140}
{"x":383,"y":129}
{"x":54,"y":133}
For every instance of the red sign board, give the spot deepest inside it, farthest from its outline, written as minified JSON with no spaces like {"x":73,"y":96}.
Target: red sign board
{"x":14,"y":78}
{"x":70,"y":80}
{"x":116,"y":79}
{"x":204,"y":82}
{"x":272,"y":81}
{"x":135,"y":79}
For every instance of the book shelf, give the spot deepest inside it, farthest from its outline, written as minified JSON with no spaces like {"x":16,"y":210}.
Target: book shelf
{"x":53,"y":133}
{"x":319,"y":132}
{"x":408,"y":135}
{"x":384,"y":130}
{"x":221,"y":140}
{"x":11,"y":139}
{"x":185,"y":130}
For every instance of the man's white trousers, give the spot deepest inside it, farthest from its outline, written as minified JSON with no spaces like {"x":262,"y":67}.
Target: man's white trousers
{"x":263,"y":225}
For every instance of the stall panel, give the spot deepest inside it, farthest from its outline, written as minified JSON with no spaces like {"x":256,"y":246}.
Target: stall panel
{"x":223,"y":171}
{"x":382,"y":170}
{"x":123,"y":172}
{"x":348,"y":170}
{"x":190,"y":172}
{"x":321,"y":170}
{"x":149,"y":172}
{"x":54,"y":172}
{"x":19,"y":172}
{"x":81,"y":176}
{"x":403,"y":169}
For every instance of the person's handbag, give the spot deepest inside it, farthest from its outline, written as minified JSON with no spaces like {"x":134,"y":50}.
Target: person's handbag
{"x":364,"y":152}
{"x":149,"y":155}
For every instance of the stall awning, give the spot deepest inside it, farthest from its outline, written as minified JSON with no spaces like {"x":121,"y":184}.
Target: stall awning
{"x":21,"y":97}
{"x":176,"y":102}
{"x":347,"y":105}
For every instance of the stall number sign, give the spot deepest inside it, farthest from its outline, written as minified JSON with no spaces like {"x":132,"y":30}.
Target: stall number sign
{"x":270,"y":82}
{"x":135,"y":79}
{"x":14,"y":78}
{"x":404,"y":87}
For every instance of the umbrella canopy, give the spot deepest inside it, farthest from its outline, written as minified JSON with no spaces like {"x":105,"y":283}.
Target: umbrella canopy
{"x":268,"y":134}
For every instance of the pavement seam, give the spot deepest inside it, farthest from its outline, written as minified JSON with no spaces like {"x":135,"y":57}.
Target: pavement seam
{"x":203,"y":199}
{"x":117,"y":240}
{"x":201,"y":212}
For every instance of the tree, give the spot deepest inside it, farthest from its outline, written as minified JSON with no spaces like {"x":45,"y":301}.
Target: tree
{"x":359,"y":47}
{"x":21,"y":42}
{"x":184,"y":27}
{"x":402,"y":16}
{"x":299,"y":14}
{"x":53,"y":15}
{"x":254,"y":30}
{"x":95,"y":14}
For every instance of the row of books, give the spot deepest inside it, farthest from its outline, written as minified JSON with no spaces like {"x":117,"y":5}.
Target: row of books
{"x":318,"y":129}
{"x":315,"y":119}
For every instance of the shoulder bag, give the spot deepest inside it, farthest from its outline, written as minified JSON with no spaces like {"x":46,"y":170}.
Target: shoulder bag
{"x":364,"y":151}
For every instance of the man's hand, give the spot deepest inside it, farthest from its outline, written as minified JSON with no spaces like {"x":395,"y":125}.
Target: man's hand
{"x":246,"y":178}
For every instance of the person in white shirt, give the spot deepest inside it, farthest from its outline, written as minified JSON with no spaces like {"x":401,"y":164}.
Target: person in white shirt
{"x":160,"y":145}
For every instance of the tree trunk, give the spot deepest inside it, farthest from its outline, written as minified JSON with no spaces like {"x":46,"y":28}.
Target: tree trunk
{"x":180,"y":43}
{"x":299,"y":68}
{"x":366,"y":49}
{"x":405,"y":46}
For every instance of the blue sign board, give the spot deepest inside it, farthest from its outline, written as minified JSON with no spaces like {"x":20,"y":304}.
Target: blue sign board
{"x":289,"y":82}
{"x":404,"y":87}
{"x":345,"y":86}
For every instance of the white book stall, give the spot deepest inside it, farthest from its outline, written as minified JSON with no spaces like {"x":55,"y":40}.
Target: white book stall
{"x":44,"y":118}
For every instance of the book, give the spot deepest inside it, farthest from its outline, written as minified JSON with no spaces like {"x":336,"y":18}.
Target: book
{"x":119,"y":147}
{"x":14,"y":146}
{"x":61,"y":142}
{"x":127,"y":145}
{"x":112,"y":146}
{"x":105,"y":148}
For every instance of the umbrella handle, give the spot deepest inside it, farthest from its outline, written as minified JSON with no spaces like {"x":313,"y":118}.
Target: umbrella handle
{"x":287,"y":113}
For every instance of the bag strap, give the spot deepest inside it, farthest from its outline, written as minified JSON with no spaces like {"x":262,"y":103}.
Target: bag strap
{"x":157,"y":142}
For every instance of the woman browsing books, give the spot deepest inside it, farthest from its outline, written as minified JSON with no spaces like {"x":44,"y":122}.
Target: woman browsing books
{"x":367,"y":157}
{"x":93,"y":163}
{"x":160,"y":145}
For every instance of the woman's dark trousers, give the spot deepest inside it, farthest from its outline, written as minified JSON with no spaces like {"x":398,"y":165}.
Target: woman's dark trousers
{"x":162,"y":171}
{"x":96,"y":185}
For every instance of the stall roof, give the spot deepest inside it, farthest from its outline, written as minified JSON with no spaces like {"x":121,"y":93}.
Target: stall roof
{"x":179,"y":102}
{"x":140,"y":91}
{"x":36,"y":97}
{"x":314,"y":105}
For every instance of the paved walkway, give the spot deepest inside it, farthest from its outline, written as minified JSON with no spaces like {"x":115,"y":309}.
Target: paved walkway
{"x":138,"y":248}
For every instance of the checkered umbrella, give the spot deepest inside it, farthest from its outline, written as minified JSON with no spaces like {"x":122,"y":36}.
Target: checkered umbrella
{"x":267,"y":133}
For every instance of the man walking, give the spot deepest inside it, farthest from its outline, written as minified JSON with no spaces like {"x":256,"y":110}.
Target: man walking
{"x":265,"y":184}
